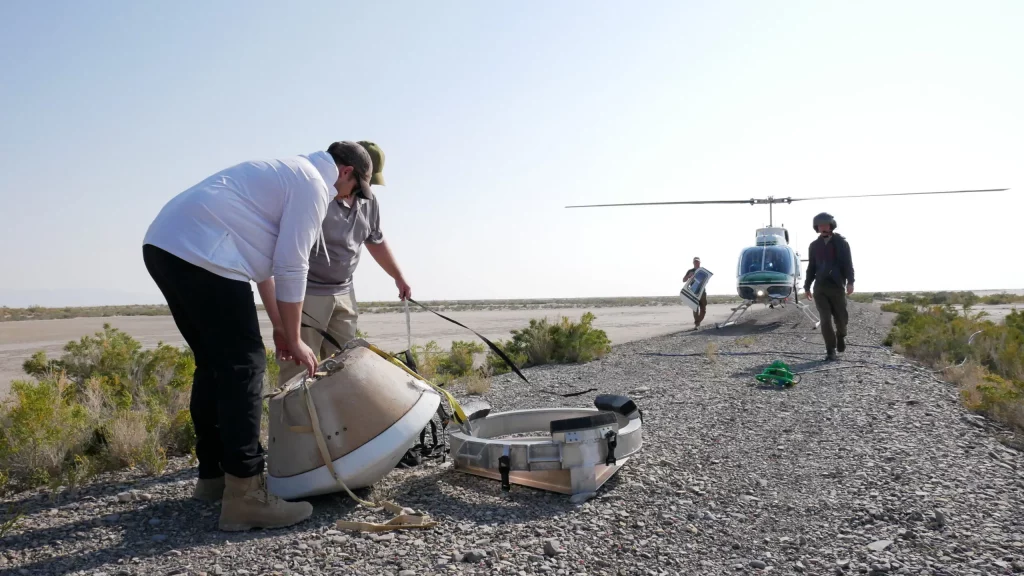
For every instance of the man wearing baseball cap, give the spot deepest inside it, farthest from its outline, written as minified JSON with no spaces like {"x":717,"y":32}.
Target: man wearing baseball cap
{"x":254,"y":221}
{"x":698,"y":315}
{"x":330,"y":303}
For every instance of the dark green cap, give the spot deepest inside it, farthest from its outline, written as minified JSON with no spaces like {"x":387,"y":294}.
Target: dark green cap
{"x":377,"y":157}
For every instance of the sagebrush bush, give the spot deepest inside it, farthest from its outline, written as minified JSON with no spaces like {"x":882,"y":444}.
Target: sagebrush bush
{"x":544,"y":343}
{"x":444,"y":366}
{"x":476,"y":384}
{"x":104,"y":404}
{"x":541,"y":342}
{"x":989,"y":370}
{"x":127,"y":438}
{"x":42,"y":427}
{"x":711,"y":352}
{"x":967,"y":299}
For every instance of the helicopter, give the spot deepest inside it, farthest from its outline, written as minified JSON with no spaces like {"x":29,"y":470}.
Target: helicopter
{"x":768,"y":272}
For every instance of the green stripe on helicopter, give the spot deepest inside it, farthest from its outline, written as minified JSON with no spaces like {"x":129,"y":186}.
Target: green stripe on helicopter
{"x":765,"y":278}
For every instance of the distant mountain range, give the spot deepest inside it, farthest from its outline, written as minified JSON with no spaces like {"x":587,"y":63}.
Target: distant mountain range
{"x":58,"y":298}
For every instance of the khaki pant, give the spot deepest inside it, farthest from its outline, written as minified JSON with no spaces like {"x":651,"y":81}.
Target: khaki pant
{"x":337,"y":314}
{"x":702,"y":308}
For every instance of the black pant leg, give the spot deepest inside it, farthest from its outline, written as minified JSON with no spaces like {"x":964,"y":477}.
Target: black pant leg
{"x":240,"y":374}
{"x":203,"y":408}
{"x":227,"y":404}
{"x":823,"y":303}
{"x":175,"y":281}
{"x":840,"y":311}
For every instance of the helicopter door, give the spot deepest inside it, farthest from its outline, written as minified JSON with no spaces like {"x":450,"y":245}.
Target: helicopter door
{"x":694,"y":288}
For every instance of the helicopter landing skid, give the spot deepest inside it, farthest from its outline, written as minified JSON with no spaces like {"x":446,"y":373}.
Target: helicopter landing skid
{"x":810,"y":315}
{"x":737,"y":312}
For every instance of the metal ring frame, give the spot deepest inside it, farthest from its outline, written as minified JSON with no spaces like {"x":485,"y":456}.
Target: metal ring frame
{"x":573,"y":461}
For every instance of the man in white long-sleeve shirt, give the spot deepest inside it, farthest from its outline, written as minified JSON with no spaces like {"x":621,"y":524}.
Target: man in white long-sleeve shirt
{"x":257,"y":221}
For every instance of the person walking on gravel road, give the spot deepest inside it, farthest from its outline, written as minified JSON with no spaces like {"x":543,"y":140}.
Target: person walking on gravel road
{"x":830,"y":268}
{"x":255,"y":221}
{"x":698,"y":315}
{"x":330,"y":304}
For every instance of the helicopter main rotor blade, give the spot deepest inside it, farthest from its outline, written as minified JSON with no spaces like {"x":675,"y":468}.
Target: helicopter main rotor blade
{"x":783,"y":200}
{"x":897,"y":194}
{"x":665,"y":203}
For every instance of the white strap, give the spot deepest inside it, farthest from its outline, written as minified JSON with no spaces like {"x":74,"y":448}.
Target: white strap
{"x":408,"y":327}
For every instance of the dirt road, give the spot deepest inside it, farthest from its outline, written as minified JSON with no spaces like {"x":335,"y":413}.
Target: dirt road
{"x":19,"y":340}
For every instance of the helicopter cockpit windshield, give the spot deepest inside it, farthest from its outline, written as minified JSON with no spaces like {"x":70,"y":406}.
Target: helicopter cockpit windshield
{"x":766,"y":259}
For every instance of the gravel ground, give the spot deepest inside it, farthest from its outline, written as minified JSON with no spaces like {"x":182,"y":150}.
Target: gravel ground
{"x":868,"y":467}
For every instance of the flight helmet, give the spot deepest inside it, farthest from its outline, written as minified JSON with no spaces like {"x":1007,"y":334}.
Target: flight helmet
{"x":824,"y":218}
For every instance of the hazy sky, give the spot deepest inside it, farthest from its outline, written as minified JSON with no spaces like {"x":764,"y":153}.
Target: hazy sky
{"x":494,"y":116}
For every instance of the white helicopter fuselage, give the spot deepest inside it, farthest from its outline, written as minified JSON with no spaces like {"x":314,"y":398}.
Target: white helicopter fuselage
{"x":768,"y":272}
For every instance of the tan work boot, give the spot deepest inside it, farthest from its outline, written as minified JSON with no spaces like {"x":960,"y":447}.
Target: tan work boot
{"x":247,"y":505}
{"x":209,"y":489}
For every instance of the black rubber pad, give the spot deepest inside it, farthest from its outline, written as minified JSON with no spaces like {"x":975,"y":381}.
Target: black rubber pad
{"x":583,"y":422}
{"x":476,"y":409}
{"x":615,"y":403}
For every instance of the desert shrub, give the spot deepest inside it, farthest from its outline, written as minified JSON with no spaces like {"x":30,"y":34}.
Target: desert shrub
{"x":544,"y":343}
{"x":181,"y":434}
{"x":998,"y":398}
{"x":903,"y":310}
{"x":39,"y":313}
{"x":989,"y":370}
{"x":459,"y":359}
{"x":104,"y":404}
{"x":495,"y":365}
{"x":40,"y":366}
{"x":42,"y":428}
{"x":107,"y":354}
{"x":577,"y":342}
{"x":476,"y":384}
{"x":711,"y":352}
{"x":444,"y":366}
{"x":452,"y":368}
{"x":997,"y":299}
{"x":937,"y":334}
{"x":126,"y":437}
{"x":965,"y":299}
